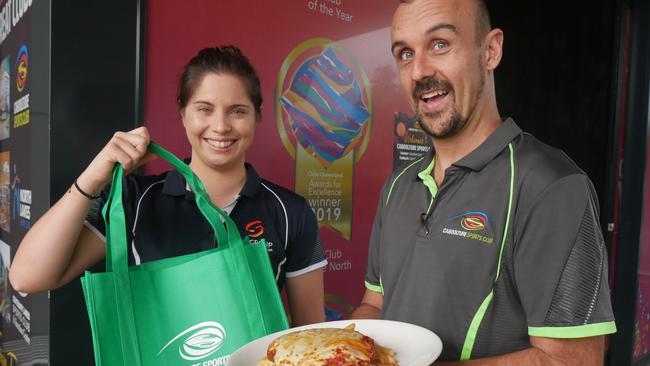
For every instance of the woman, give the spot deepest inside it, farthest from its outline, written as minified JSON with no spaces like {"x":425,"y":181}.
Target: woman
{"x":219,"y":101}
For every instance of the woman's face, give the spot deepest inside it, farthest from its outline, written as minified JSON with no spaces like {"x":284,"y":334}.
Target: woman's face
{"x":219,"y":121}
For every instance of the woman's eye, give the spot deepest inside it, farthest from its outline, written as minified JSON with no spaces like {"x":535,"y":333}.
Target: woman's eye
{"x":239,"y":112}
{"x":204,"y":110}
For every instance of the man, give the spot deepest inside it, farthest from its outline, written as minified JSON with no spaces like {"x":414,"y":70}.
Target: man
{"x":493,"y":241}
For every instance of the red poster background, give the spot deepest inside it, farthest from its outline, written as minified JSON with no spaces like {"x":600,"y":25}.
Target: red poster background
{"x":642,"y":324}
{"x":267,"y":31}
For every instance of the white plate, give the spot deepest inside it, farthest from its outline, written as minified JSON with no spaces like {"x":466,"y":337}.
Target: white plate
{"x":414,"y":345}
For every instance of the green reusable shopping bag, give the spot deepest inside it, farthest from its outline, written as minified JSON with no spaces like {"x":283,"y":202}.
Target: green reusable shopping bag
{"x":194,"y":309}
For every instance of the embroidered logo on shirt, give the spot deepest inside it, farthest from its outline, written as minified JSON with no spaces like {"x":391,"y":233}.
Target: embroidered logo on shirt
{"x":471,"y":223}
{"x":254,"y":228}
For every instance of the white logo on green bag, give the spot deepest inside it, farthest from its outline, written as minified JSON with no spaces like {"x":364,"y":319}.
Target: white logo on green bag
{"x":205,"y":339}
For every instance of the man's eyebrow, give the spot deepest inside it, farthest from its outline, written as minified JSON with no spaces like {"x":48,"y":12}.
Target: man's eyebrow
{"x":433,"y":29}
{"x":396,"y":44}
{"x":437,"y":27}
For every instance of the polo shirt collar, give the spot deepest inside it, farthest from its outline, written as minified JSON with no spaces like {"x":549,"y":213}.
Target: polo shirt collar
{"x":491,"y":147}
{"x":175,"y":183}
{"x":481,"y":156}
{"x":253,"y":182}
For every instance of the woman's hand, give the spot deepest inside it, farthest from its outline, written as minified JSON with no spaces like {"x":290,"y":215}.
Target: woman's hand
{"x":58,"y":247}
{"x":127,"y":148}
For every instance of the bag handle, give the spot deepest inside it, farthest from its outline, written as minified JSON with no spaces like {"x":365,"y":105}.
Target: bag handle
{"x":209,"y":210}
{"x":117,"y":253}
{"x":116,"y":248}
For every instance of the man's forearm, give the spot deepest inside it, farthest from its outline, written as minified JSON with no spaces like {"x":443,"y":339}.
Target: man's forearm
{"x":365,"y":311}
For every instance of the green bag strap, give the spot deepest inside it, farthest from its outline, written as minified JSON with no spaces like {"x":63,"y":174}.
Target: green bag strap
{"x":209,"y":210}
{"x":214,"y":215}
{"x":116,"y":239}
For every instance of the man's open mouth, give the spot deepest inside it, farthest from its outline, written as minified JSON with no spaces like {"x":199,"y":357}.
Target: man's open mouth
{"x":433,"y":95}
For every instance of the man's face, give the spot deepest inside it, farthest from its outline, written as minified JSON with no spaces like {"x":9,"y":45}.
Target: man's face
{"x":439,"y":61}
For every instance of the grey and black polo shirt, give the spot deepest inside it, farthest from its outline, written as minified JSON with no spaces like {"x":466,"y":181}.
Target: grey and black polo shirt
{"x":166,"y":222}
{"x":509,"y":246}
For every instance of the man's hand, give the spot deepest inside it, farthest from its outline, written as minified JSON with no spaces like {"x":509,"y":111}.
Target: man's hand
{"x":370,"y":307}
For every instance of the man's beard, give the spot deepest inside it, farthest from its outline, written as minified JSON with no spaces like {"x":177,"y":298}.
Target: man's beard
{"x":456,"y":122}
{"x":450,"y":127}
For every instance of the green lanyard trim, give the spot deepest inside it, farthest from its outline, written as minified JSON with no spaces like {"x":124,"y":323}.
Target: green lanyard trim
{"x":470,"y":338}
{"x":427,"y":179}
{"x":390,"y":191}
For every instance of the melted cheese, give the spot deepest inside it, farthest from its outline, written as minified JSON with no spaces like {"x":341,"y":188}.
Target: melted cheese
{"x":326,"y":347}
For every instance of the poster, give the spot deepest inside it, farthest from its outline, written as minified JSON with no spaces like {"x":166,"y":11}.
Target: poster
{"x":411,"y":142}
{"x":23,"y":165}
{"x":326,"y":133}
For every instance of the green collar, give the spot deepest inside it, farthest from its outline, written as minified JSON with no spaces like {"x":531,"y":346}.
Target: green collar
{"x":427,"y":177}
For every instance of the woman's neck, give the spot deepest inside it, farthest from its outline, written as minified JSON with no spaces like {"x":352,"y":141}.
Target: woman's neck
{"x":222,"y":185}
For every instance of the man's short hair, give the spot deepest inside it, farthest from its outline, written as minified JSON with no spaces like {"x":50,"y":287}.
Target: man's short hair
{"x":483,"y":22}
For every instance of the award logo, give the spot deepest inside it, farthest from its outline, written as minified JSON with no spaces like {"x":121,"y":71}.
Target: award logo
{"x":323,"y":113}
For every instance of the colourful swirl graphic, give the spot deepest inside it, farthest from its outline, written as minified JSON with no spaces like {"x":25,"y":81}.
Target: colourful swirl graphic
{"x":22,"y":64}
{"x":323,"y":103}
{"x":337,"y":308}
{"x":473,"y":221}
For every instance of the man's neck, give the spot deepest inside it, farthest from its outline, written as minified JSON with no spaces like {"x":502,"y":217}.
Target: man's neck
{"x":450,"y":150}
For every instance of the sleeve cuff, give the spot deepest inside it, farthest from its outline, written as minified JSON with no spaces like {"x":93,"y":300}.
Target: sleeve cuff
{"x":94,"y":230}
{"x":312,"y":267}
{"x":374,"y":288}
{"x":579,"y":331}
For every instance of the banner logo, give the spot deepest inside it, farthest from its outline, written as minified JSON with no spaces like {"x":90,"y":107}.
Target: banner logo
{"x":323,"y":109}
{"x":204,"y":339}
{"x":22,"y":64}
{"x":254,"y":228}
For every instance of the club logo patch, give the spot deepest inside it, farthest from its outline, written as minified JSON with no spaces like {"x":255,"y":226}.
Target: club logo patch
{"x":474,"y":221}
{"x":471,"y":223}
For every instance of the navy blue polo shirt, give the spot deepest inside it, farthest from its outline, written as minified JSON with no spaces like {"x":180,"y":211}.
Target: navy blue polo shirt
{"x":163,"y":221}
